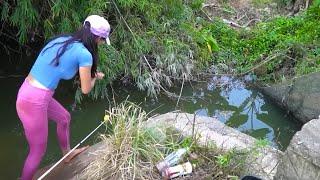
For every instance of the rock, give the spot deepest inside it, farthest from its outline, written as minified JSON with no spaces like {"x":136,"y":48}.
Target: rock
{"x":211,"y":130}
{"x":262,"y":163}
{"x":301,"y":160}
{"x":74,"y":169}
{"x":300,"y":97}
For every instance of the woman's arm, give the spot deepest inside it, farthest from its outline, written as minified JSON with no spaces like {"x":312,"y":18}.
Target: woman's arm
{"x":86,"y":81}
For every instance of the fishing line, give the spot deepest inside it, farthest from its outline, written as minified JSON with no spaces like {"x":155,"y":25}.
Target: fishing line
{"x":106,"y":117}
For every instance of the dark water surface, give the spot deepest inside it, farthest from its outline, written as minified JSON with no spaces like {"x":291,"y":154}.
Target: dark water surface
{"x":235,"y":105}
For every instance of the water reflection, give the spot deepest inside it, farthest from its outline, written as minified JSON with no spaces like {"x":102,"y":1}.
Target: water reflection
{"x":248,"y":104}
{"x":231,"y":102}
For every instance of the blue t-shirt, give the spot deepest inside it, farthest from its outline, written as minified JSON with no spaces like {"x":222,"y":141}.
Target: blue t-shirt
{"x":49,"y":75}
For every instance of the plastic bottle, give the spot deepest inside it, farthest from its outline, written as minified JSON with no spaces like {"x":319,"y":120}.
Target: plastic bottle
{"x":172,"y":159}
{"x":177,"y":171}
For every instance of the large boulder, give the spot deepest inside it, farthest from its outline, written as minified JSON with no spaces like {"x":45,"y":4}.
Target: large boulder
{"x":301,"y":160}
{"x":262,"y":163}
{"x":301,"y":96}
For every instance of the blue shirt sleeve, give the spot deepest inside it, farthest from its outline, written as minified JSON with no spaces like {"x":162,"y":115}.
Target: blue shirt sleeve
{"x":85,"y":58}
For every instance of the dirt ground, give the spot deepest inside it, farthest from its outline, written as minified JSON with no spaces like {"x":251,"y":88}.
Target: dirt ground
{"x":244,"y":13}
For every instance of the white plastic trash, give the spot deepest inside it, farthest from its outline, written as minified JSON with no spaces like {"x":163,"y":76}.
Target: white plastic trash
{"x":172,"y":159}
{"x":177,"y":171}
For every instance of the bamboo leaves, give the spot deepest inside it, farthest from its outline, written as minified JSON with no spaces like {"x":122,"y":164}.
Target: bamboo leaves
{"x":25,"y":17}
{"x":5,"y":11}
{"x":148,"y":43}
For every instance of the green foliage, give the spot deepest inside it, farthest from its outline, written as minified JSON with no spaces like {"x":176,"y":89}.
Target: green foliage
{"x":196,"y":4}
{"x":262,"y":143}
{"x":230,"y":158}
{"x":5,"y":11}
{"x":24,"y":17}
{"x":149,"y":41}
{"x":284,"y":42}
{"x":186,"y":142}
{"x":156,"y":42}
{"x":223,"y":160}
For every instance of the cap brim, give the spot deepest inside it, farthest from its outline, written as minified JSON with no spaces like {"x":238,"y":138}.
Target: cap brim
{"x":108,"y":41}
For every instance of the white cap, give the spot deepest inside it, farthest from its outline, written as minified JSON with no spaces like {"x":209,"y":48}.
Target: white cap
{"x":99,"y":27}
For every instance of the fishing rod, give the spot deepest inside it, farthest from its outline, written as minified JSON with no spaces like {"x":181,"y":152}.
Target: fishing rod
{"x":106,"y":117}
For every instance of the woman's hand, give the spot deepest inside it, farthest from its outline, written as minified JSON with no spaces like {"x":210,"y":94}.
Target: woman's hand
{"x":99,"y":75}
{"x":86,"y":81}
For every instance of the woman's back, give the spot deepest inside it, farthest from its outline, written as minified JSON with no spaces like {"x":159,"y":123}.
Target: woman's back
{"x":48,"y":74}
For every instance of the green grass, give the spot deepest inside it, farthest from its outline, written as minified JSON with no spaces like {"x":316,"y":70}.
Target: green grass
{"x":283,"y":42}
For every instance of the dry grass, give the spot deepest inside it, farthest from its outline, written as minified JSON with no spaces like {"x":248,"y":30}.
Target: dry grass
{"x":133,"y":150}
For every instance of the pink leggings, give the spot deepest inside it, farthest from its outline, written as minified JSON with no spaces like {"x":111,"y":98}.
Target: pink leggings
{"x":34,"y":107}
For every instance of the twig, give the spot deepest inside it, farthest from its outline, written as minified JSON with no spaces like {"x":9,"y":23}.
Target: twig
{"x":231,"y":23}
{"x":13,"y":38}
{"x":13,"y":76}
{"x":260,"y":64}
{"x":307,"y":4}
{"x":121,"y":17}
{"x":8,"y":48}
{"x":288,"y":57}
{"x":193,"y":125}
{"x":206,"y":14}
{"x":247,"y":24}
{"x":210,"y":75}
{"x":180,"y":93}
{"x":218,"y":7}
{"x":114,"y":101}
{"x":109,"y":102}
{"x":148,"y":63}
{"x":191,"y":83}
{"x":133,"y":35}
{"x":239,"y":18}
{"x":191,"y":79}
{"x":209,"y":5}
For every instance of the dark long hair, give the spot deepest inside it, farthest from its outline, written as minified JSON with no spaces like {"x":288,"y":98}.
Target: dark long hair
{"x":84,"y":36}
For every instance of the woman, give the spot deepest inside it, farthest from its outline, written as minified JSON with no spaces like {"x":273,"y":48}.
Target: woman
{"x":61,"y":58}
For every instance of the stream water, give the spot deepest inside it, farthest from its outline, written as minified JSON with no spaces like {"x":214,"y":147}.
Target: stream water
{"x":227,"y":99}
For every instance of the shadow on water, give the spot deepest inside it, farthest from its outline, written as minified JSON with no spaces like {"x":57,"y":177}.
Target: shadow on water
{"x":224,"y":98}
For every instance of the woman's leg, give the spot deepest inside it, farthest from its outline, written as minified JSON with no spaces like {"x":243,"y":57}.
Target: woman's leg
{"x":61,"y":116}
{"x":35,"y":123}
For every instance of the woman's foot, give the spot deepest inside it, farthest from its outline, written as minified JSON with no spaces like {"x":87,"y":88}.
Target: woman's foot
{"x":74,"y":154}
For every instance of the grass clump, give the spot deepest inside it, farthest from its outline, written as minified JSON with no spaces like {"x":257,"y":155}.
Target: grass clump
{"x":134,"y":150}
